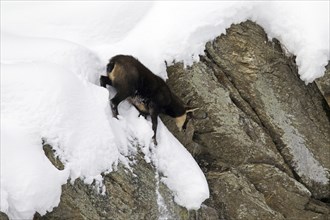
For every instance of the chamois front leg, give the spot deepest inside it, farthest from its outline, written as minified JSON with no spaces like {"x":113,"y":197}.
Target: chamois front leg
{"x":104,"y":81}
{"x":114,"y":102}
{"x":145,"y":115}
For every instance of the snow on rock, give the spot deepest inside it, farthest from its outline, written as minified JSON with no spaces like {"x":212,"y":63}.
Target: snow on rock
{"x":176,"y":166}
{"x":52,"y":54}
{"x":171,"y":161}
{"x":306,"y":36}
{"x":60,"y":108}
{"x":26,"y":174}
{"x":54,"y":104}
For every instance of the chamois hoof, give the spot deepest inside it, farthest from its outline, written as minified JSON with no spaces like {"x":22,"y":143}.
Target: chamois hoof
{"x":155,"y":141}
{"x":118,"y":117}
{"x":143,"y":115}
{"x":115,"y":114}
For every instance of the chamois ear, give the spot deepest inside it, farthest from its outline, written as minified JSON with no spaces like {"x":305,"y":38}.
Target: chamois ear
{"x":189,"y":108}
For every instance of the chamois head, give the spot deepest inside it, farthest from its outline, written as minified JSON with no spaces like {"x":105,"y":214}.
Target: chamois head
{"x":182,"y":121}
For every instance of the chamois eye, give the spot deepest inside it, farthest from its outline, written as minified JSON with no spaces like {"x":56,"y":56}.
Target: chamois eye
{"x":110,"y":66}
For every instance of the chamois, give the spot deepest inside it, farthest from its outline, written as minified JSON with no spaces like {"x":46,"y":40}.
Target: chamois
{"x":146,"y":91}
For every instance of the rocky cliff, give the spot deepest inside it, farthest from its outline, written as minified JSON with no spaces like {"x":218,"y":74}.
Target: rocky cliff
{"x":261,"y":136}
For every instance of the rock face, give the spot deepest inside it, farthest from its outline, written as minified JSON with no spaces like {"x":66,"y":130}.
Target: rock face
{"x":324,"y":84}
{"x":261,"y":136}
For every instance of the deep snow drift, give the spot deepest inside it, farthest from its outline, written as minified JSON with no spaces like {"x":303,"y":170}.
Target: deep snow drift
{"x":52,"y":54}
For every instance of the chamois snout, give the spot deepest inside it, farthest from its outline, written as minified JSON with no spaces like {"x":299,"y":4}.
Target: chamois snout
{"x":181,"y":122}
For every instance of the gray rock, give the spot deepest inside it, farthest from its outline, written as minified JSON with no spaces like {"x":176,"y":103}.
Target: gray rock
{"x":129,"y":195}
{"x":262,"y":121}
{"x":284,"y":194}
{"x":3,"y":216}
{"x":323,"y":84}
{"x":236,"y":198}
{"x":290,"y":111}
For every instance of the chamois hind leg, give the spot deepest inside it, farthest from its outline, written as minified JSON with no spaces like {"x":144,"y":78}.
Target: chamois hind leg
{"x":154,"y":112}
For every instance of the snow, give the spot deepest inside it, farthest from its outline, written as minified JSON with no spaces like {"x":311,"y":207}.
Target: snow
{"x":303,"y":27}
{"x":173,"y":30}
{"x":164,"y":213}
{"x":52,"y":54}
{"x":22,"y":155}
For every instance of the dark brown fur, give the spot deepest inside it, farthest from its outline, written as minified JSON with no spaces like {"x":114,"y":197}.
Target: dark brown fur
{"x":145,"y":90}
